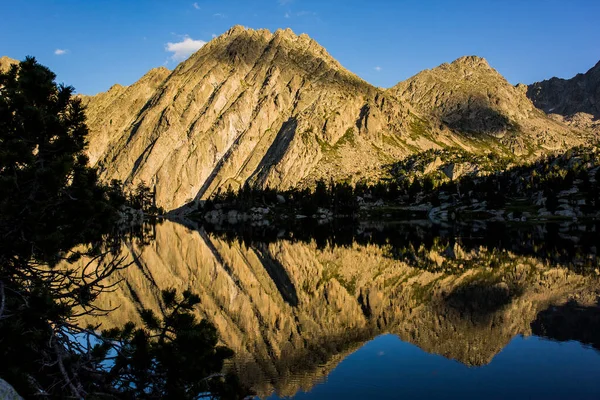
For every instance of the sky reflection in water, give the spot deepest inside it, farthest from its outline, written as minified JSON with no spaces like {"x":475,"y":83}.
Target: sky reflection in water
{"x":528,"y":367}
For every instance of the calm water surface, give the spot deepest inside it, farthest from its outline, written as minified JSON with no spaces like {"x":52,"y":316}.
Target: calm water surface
{"x":366,"y":310}
{"x":527,"y":368}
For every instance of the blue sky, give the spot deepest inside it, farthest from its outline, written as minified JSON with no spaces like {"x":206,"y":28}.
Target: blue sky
{"x":92,"y":44}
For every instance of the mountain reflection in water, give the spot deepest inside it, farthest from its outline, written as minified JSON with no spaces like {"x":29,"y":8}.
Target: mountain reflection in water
{"x":293,"y":304}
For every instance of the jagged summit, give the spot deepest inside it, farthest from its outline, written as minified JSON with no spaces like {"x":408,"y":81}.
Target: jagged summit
{"x":282,"y":49}
{"x":472,"y":61}
{"x":252,"y":107}
{"x":570,"y":97}
{"x":276,"y":109}
{"x":465,"y":65}
{"x":467,"y":95}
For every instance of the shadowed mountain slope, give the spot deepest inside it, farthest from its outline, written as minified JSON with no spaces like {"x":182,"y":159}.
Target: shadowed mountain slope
{"x":468,"y":96}
{"x":575,"y":101}
{"x":569,"y":96}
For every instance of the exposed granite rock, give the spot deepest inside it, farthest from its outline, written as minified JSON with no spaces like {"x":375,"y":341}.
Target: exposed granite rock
{"x":576,"y":99}
{"x":111,"y":113}
{"x":270,"y":109}
{"x":468,"y":96}
{"x":580,"y":121}
{"x":275,"y":109}
{"x":6,"y":62}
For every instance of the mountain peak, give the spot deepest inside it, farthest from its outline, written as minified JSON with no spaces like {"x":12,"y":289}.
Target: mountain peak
{"x":466,"y":64}
{"x":467,"y":95}
{"x":285,"y":32}
{"x":471,"y":61}
{"x":236,"y":29}
{"x":276,"y":109}
{"x":462,"y":67}
{"x":282,"y":49}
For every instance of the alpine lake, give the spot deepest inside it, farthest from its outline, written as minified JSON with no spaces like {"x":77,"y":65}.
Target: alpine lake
{"x":386,"y":310}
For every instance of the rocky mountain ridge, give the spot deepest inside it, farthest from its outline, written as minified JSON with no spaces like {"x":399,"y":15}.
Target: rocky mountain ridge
{"x":469,"y":96}
{"x":250,"y":106}
{"x":575,"y":101}
{"x":276,"y":110}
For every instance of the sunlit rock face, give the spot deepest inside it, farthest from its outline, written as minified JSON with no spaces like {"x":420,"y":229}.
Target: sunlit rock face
{"x":471,"y":97}
{"x":292,"y":310}
{"x":6,"y":62}
{"x":275,"y":109}
{"x":250,"y":106}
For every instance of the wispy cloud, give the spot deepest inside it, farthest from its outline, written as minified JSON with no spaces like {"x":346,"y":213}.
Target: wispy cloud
{"x":219,"y":15}
{"x":60,"y":52}
{"x":214,"y":35}
{"x":378,"y":68}
{"x":196,"y":6}
{"x":185,"y":48}
{"x":287,"y":15}
{"x":306,"y":14}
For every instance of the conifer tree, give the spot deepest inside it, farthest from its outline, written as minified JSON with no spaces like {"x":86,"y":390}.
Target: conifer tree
{"x":51,"y":201}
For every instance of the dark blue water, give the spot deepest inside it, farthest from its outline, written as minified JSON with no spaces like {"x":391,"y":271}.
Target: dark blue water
{"x":527,"y":368}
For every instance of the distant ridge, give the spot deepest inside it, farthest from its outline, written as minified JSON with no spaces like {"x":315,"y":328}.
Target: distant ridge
{"x":574,"y":101}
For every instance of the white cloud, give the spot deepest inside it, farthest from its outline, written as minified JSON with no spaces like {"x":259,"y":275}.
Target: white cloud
{"x":196,"y":6}
{"x":287,"y":15}
{"x":377,"y":68}
{"x":185,"y":48}
{"x":219,"y":15}
{"x":60,"y":52}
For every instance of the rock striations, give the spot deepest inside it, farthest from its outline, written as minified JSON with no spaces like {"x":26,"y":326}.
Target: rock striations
{"x":268,"y":109}
{"x":275,"y":109}
{"x":112,"y":113}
